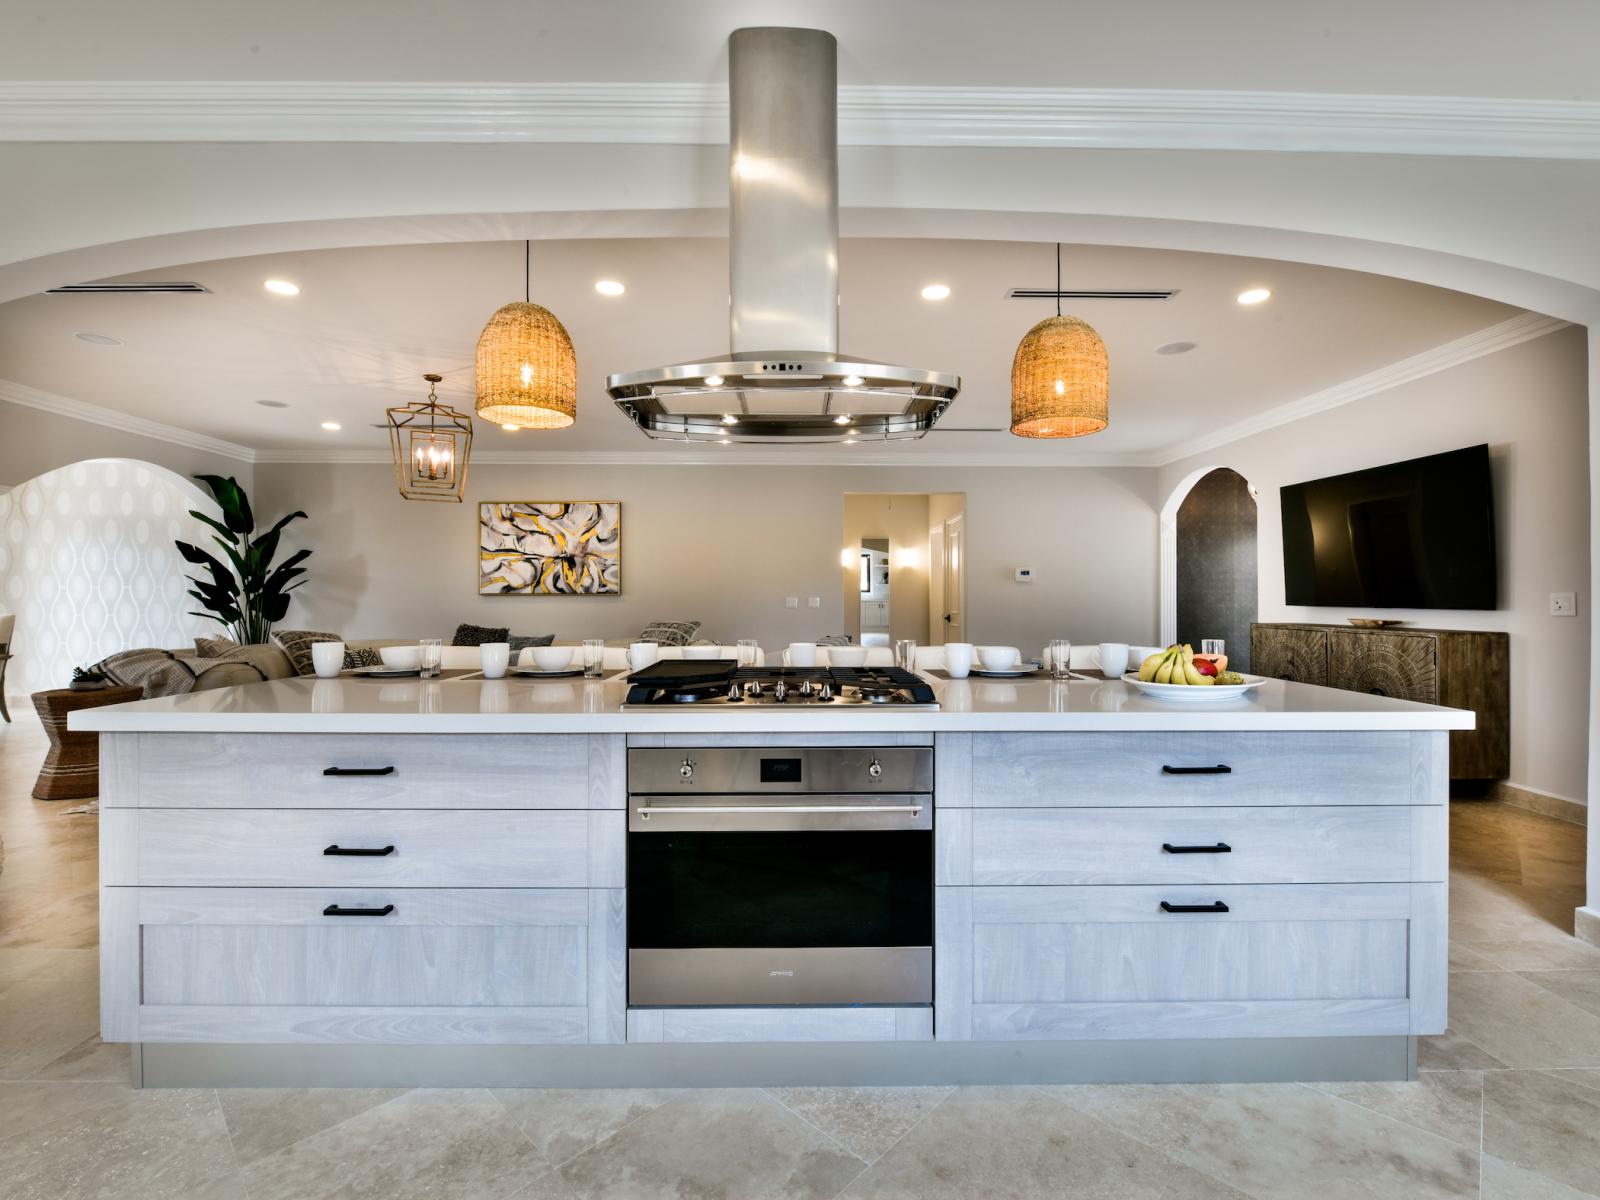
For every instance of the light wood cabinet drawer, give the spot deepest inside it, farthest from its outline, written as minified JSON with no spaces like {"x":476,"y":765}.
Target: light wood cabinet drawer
{"x":1186,"y":845}
{"x":1059,"y":770}
{"x":1069,"y":962}
{"x":382,"y":847}
{"x":280,"y":770}
{"x":329,"y":964}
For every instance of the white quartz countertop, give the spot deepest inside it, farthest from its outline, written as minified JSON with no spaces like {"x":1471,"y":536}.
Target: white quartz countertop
{"x":475,"y":705}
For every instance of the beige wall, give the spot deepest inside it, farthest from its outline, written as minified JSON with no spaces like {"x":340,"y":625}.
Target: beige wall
{"x":903,"y":520}
{"x":33,"y":441}
{"x":1530,"y":404}
{"x":725,"y":545}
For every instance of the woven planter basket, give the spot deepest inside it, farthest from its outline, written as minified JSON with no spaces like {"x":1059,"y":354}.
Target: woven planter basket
{"x":1059,"y":381}
{"x":527,"y":371}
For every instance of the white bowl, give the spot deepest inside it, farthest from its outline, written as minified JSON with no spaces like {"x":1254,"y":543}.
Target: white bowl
{"x":551,"y":658}
{"x":401,"y":658}
{"x":999,"y":658}
{"x":701,"y":652}
{"x":847,"y":656}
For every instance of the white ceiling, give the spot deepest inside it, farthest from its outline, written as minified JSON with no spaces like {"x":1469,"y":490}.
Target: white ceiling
{"x":1535,"y":49}
{"x":369,"y":321}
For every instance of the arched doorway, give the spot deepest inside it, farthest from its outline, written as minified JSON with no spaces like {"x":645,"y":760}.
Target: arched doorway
{"x":1208,"y":562}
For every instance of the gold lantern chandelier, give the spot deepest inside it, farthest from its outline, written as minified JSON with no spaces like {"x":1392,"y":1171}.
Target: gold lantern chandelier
{"x":527,"y":371}
{"x":1060,"y":377}
{"x":430,"y":443}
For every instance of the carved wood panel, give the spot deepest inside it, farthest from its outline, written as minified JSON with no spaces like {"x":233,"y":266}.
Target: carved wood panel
{"x":1404,"y":666}
{"x":1294,"y":653}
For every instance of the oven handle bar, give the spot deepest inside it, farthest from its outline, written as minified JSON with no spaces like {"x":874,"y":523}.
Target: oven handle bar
{"x":693,"y":809}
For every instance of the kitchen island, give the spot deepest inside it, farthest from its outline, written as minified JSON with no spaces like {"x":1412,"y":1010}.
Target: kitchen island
{"x":365,"y":882}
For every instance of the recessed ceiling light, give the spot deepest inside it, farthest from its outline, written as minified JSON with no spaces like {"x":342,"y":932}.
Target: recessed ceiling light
{"x":99,"y":339}
{"x":729,"y":419}
{"x":1254,"y":295}
{"x":281,"y":287}
{"x":511,"y":428}
{"x":853,"y":381}
{"x":936,"y":291}
{"x":1175,"y":348}
{"x":842,"y":419}
{"x":332,"y":426}
{"x":609,"y":287}
{"x":713,"y":380}
{"x":272,"y":404}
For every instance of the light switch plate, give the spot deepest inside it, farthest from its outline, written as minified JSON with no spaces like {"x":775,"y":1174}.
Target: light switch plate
{"x":1024,"y":575}
{"x":1563,"y":604}
{"x":791,"y":601}
{"x":813,"y":601}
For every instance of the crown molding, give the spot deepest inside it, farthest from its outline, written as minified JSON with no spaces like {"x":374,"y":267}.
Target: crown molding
{"x":12,"y":392}
{"x":698,"y":455}
{"x":697,"y":114}
{"x":1524,"y":327}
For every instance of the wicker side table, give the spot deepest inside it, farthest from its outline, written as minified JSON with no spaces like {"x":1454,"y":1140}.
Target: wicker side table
{"x":71,"y":768}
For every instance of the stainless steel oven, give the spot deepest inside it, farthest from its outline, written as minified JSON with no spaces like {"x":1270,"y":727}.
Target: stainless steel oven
{"x":780,"y":876}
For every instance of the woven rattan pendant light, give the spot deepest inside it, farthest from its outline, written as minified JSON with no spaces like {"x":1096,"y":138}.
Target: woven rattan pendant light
{"x":1060,"y":377}
{"x":527,"y":372}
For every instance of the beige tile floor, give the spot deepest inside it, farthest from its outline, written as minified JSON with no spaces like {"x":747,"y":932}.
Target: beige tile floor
{"x":1508,"y":1107}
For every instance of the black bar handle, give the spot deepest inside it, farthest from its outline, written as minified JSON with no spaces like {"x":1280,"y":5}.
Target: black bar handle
{"x":333,"y":910}
{"x":1219,"y":769}
{"x":359,"y":851}
{"x":1218,"y":906}
{"x":1219,"y":848}
{"x":358,"y":771}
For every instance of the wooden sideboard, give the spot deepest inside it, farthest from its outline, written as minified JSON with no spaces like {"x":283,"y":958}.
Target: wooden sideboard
{"x":1454,"y":667}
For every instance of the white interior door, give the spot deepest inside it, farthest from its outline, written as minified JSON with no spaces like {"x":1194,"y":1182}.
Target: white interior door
{"x":955,"y":581}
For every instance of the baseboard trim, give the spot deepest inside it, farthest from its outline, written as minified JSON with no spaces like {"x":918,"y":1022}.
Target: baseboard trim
{"x":813,"y":1064}
{"x":1586,"y":925}
{"x":1542,"y":803}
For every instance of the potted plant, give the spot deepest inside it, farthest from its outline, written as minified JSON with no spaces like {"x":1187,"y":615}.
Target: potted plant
{"x":247,"y":594}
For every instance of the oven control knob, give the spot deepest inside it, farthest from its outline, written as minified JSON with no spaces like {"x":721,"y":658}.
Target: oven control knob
{"x":806,"y":689}
{"x":825,"y":692}
{"x":875,"y":769}
{"x":734,"y":693}
{"x":780,"y":691}
{"x":687,"y":770}
{"x":753,"y":688}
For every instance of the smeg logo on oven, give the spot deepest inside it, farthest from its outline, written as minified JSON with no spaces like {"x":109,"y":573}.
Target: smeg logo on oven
{"x":780,"y":974}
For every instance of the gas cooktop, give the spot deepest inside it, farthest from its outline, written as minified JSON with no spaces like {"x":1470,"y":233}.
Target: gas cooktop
{"x":724,"y":682}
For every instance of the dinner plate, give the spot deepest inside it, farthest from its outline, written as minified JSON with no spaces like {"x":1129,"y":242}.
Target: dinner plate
{"x":1014,"y":673}
{"x":1201,"y":693}
{"x":388,"y":672}
{"x":539,"y":673}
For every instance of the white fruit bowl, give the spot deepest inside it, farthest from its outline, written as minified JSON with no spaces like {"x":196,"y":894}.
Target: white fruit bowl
{"x":1202,"y":693}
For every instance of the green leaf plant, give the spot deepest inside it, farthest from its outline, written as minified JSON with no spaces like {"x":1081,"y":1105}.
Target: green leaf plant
{"x":246,"y":594}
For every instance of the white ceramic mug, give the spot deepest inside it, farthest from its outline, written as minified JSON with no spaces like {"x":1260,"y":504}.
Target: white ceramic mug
{"x":327,"y":659}
{"x":999,"y":658}
{"x":957,"y":659}
{"x":800,"y":654}
{"x":642,"y":654}
{"x":495,"y":657}
{"x":1114,"y":659}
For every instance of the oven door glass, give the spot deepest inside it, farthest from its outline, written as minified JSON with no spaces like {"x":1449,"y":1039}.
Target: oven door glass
{"x":782,"y":889}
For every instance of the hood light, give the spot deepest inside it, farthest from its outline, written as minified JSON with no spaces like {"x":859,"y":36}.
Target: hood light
{"x":853,"y":381}
{"x":729,"y":419}
{"x":936,"y":291}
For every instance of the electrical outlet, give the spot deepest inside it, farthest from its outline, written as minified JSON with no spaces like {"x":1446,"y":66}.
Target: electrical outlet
{"x":1563,"y":604}
{"x":791,"y":601}
{"x":813,"y":601}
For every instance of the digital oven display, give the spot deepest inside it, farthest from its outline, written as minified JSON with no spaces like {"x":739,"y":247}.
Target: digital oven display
{"x":780,"y":770}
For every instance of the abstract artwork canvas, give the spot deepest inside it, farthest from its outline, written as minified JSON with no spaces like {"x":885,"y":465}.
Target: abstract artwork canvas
{"x":550,"y":548}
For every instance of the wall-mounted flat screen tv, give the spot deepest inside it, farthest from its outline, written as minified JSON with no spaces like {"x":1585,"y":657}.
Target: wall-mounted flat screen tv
{"x":1414,"y":534}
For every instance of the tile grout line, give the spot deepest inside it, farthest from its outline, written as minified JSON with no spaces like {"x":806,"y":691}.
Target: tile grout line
{"x":813,"y":1125}
{"x":681,"y":1092}
{"x":869,"y":1166}
{"x":1400,"y":1120}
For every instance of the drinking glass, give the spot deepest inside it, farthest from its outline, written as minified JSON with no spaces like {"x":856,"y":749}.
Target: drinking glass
{"x":748,"y":652}
{"x":432,"y":655}
{"x":1212,"y":646}
{"x":905,"y":654}
{"x":594,"y":657}
{"x":1060,"y":659}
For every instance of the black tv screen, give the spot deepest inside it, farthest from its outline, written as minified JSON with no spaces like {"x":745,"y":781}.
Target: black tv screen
{"x":1414,"y":534}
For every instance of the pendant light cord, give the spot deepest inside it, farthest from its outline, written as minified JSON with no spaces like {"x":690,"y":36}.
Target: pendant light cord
{"x":527,"y":269}
{"x":1058,"y":279}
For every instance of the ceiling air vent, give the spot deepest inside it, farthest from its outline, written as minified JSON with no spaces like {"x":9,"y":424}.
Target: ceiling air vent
{"x":1091,"y":294}
{"x":160,"y":287}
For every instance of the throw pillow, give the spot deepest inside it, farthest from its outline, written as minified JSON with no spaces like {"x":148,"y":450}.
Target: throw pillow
{"x":268,"y":661}
{"x":366,"y":656}
{"x":477,"y":635}
{"x":669,"y":633}
{"x":519,"y":644}
{"x":214,"y":647}
{"x":834,"y":639}
{"x":297,"y":643}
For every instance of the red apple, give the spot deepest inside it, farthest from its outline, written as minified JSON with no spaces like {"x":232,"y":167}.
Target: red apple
{"x":1205,"y":666}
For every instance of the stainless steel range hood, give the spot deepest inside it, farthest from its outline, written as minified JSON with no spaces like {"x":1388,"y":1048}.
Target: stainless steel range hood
{"x":785,"y":378}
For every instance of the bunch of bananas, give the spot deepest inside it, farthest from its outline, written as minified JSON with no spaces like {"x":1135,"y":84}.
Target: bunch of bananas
{"x":1175,"y":664}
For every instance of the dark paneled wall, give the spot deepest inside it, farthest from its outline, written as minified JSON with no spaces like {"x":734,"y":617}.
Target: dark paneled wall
{"x":1217,"y":564}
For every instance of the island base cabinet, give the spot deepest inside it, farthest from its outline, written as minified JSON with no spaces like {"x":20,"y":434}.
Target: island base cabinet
{"x":395,"y":965}
{"x":1020,"y":963}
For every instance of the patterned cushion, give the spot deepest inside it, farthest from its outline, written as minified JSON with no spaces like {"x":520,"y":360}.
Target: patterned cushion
{"x":214,"y":647}
{"x":297,"y":643}
{"x":267,"y":661}
{"x":834,"y":639}
{"x":669,"y":633}
{"x":519,"y":644}
{"x":477,"y":635}
{"x":366,"y":656}
{"x":158,"y":672}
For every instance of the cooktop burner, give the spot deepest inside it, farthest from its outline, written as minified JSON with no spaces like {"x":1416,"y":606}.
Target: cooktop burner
{"x":724,"y":682}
